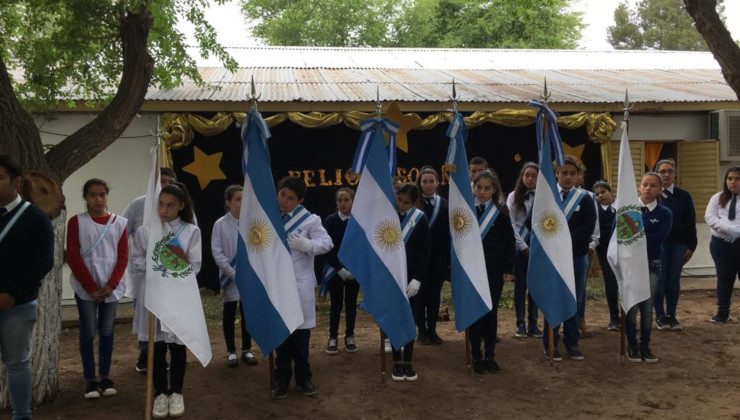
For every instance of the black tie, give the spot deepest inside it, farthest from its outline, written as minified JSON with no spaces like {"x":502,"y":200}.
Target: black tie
{"x":479,"y":209}
{"x":667,"y":193}
{"x":565,"y":195}
{"x":286,"y":217}
{"x":3,"y":210}
{"x":730,"y":212}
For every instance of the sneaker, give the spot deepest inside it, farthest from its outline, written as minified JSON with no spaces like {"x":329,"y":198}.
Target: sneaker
{"x":534,"y":331}
{"x":648,"y":356}
{"x":633,"y":355}
{"x":675,"y":325}
{"x":388,"y":348}
{"x":308,"y":388}
{"x":492,"y":366}
{"x":92,"y":391}
{"x":331,"y":347}
{"x":141,"y":362}
{"x":435,"y":339}
{"x":108,"y":388}
{"x":423,"y":338}
{"x":556,"y":357}
{"x":574,"y":353}
{"x":613,"y":325}
{"x":177,"y":405}
{"x":521,"y":332}
{"x":248,"y":357}
{"x":349,"y":344}
{"x":232,"y":361}
{"x":161,"y":406}
{"x":397,"y":374}
{"x":281,"y":392}
{"x":409,"y":373}
{"x":662,"y":323}
{"x":720,"y":318}
{"x":479,"y":367}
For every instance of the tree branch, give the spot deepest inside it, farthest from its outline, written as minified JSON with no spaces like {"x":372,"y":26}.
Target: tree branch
{"x":84,"y":144}
{"x":718,"y":38}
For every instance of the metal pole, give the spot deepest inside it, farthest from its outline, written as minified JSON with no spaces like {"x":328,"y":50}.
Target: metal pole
{"x":272,"y":374}
{"x":551,"y":344}
{"x":149,"y":368}
{"x":382,"y":356}
{"x":622,"y":340}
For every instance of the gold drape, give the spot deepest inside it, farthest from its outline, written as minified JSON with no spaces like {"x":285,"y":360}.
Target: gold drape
{"x":178,"y":129}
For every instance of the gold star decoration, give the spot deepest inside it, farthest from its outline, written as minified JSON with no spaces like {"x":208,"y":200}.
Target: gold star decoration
{"x":575,"y":151}
{"x":407,"y":123}
{"x":206,"y":167}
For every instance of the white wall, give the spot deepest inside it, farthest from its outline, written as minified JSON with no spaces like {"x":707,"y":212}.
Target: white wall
{"x":665,"y":127}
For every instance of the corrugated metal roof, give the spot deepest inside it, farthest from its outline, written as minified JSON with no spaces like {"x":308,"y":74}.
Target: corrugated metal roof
{"x":285,"y":74}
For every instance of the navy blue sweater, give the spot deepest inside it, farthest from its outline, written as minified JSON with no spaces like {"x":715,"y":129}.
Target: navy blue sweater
{"x":581,"y":225}
{"x":499,"y":246}
{"x":418,"y":250}
{"x":440,"y":236}
{"x":657,"y":229}
{"x":335,"y":227}
{"x":26,"y":254}
{"x":606,"y":227}
{"x":681,"y":206}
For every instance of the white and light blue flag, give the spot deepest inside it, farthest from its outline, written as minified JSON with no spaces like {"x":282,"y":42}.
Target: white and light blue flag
{"x":627,"y":252}
{"x":471,"y":295}
{"x":373,"y":248}
{"x":264,"y":268}
{"x":550,"y":276}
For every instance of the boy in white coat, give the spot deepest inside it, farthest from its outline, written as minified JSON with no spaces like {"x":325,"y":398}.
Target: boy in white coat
{"x":307,"y":238}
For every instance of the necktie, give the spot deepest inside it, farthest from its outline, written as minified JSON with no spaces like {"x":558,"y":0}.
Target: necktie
{"x":3,"y":210}
{"x":565,"y":195}
{"x":479,"y":209}
{"x":286,"y":217}
{"x":667,"y":193}
{"x":730,"y":213}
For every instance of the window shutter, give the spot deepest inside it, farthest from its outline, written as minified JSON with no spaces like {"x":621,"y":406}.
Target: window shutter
{"x":698,"y":171}
{"x":638,"y":161}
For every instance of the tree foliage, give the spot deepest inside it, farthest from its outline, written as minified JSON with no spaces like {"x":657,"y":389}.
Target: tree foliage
{"x":656,"y":24}
{"x":415,"y":23}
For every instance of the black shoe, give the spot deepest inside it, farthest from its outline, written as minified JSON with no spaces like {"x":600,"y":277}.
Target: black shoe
{"x":556,"y":356}
{"x":350,"y":346}
{"x":281,"y":392}
{"x":534,"y":331}
{"x":141,"y":362}
{"x":574,"y":353}
{"x":662,"y":323}
{"x":332,"y":347}
{"x":435,"y":339}
{"x":521,"y":332}
{"x":248,"y":357}
{"x":308,"y":388}
{"x":492,"y":366}
{"x":397,"y":373}
{"x":107,"y":387}
{"x":648,"y":356}
{"x":232,"y":361}
{"x":92,"y":391}
{"x":479,"y":367}
{"x":423,"y":338}
{"x":613,"y":325}
{"x":633,"y":355}
{"x":675,"y":325}
{"x":409,"y":373}
{"x":721,"y":317}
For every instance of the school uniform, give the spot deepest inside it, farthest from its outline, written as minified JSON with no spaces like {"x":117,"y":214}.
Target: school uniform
{"x":595,"y":236}
{"x":725,"y":249}
{"x":607,"y":214}
{"x":581,"y":214}
{"x":342,"y":292}
{"x":498,"y":248}
{"x":681,"y":238}
{"x":302,"y":224}
{"x":436,"y":210}
{"x":223,"y":249}
{"x":521,"y":223}
{"x":97,"y":254}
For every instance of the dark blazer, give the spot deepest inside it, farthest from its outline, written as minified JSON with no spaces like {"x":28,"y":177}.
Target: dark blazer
{"x":581,"y":225}
{"x":606,"y":226}
{"x":418,"y":250}
{"x":335,"y":227}
{"x":683,"y":230}
{"x":499,"y":246}
{"x":440,"y":234}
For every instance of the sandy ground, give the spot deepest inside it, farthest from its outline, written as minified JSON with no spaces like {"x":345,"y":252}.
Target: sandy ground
{"x":698,"y":376}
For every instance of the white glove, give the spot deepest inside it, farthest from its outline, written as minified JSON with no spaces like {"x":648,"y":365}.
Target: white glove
{"x":345,"y":275}
{"x":413,"y":288}
{"x":299,"y":243}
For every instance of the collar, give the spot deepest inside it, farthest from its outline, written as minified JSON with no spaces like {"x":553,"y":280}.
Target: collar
{"x":603,"y":207}
{"x":292,"y":212}
{"x":670,"y":188}
{"x":231,"y":216}
{"x":13,"y":204}
{"x":560,"y":189}
{"x":342,"y":217}
{"x":650,"y":206}
{"x":176,"y":223}
{"x":486,"y":204}
{"x":431,"y":199}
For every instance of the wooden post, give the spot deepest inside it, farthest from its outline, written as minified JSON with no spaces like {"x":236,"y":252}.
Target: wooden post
{"x":149,"y":368}
{"x":468,"y":356}
{"x":271,"y":361}
{"x":551,"y":344}
{"x":382,"y":356}
{"x":622,"y":319}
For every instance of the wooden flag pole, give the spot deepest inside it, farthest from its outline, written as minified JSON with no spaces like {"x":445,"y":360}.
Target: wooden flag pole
{"x":149,"y":368}
{"x":622,"y":319}
{"x":382,"y":356}
{"x":271,"y":361}
{"x":468,"y":348}
{"x":551,"y":344}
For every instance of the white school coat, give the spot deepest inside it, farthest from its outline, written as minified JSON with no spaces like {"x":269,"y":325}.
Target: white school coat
{"x":223,"y":248}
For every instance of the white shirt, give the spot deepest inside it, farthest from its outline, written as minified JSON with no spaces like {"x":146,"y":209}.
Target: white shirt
{"x":670,"y":188}
{"x":716,"y":218}
{"x":519,"y":217}
{"x":13,"y":204}
{"x":485,"y":205}
{"x":650,"y":206}
{"x":342,"y":217}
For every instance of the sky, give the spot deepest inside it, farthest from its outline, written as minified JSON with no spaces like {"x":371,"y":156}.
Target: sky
{"x":597,"y":15}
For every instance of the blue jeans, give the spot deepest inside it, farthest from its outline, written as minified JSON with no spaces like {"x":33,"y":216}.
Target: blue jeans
{"x":726,"y":258}
{"x":100,"y":317}
{"x":669,"y":287}
{"x":16,"y":325}
{"x":646,"y":311}
{"x":570,"y":326}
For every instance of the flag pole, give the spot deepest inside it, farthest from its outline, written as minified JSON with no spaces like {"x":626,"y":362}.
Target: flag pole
{"x":622,"y":316}
{"x":271,"y":361}
{"x":382,"y":356}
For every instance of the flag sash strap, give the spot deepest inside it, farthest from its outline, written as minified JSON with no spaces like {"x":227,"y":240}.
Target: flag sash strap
{"x":368,"y":128}
{"x":299,"y":216}
{"x":435,"y":212}
{"x":524,"y":231}
{"x":226,"y":280}
{"x":328,"y":273}
{"x":487,"y":218}
{"x":409,"y":222}
{"x":570,"y":205}
{"x":100,"y":237}
{"x":15,"y":218}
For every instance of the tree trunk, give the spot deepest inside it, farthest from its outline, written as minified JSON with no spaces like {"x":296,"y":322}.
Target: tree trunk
{"x":718,"y":38}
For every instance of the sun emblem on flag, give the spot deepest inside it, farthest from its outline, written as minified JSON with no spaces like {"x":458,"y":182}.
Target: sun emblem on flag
{"x":170,"y":259}
{"x":388,"y":235}
{"x":461,"y":222}
{"x":629,"y":224}
{"x":548,"y":224}
{"x":259,"y":235}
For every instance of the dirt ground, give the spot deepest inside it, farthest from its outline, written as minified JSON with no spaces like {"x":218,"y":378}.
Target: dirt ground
{"x":698,"y":376}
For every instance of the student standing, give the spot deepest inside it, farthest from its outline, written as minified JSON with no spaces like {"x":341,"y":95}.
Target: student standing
{"x":723,"y":218}
{"x":307,"y":238}
{"x":223,"y":248}
{"x":343,"y":287}
{"x":657,"y":220}
{"x":607,"y":213}
{"x":97,"y":254}
{"x":498,"y":239}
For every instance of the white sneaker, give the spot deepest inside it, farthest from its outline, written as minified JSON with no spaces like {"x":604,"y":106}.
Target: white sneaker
{"x":161,"y":406}
{"x":177,"y":405}
{"x":388,"y":348}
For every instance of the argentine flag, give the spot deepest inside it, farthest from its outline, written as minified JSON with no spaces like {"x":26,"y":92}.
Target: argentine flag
{"x":550,"y":277}
{"x":373,"y":249}
{"x":471,"y":295}
{"x":264,"y":268}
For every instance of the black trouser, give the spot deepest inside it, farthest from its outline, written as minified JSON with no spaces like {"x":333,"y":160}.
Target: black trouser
{"x":229,"y":320}
{"x":177,"y":368}
{"x":726,"y":258}
{"x":343,"y":292}
{"x":521,"y":264}
{"x":427,"y":310}
{"x":294,"y":349}
{"x":611,"y":288}
{"x":408,"y":353}
{"x":486,"y":328}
